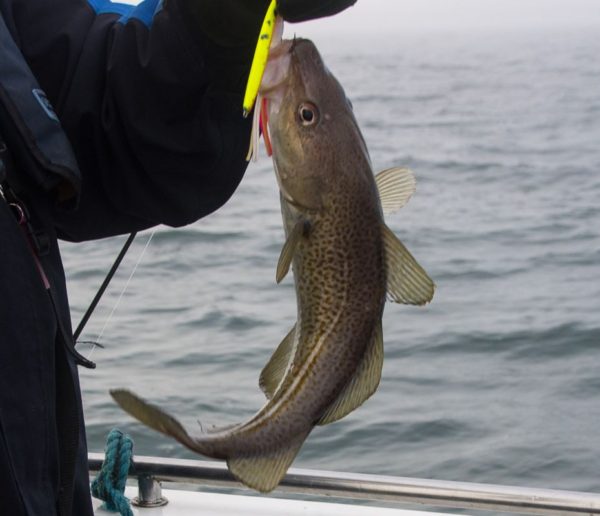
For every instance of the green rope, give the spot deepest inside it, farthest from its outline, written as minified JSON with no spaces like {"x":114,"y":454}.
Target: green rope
{"x":109,"y":484}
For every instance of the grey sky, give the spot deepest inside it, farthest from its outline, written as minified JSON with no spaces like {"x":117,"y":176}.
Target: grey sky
{"x":369,"y":16}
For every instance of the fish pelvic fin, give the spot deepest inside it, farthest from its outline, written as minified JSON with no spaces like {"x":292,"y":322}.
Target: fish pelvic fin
{"x":396,"y":186}
{"x":274,"y":371}
{"x":407,"y":281}
{"x":363,"y":384}
{"x":265,"y":472}
{"x":154,"y":417}
{"x":299,"y":231}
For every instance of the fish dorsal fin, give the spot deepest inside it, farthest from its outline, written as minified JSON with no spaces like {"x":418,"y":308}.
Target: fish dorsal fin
{"x":264,"y":472}
{"x":152,"y":416}
{"x":362,"y":385}
{"x":301,"y":228}
{"x":396,"y":186}
{"x":274,"y":371}
{"x":407,"y":281}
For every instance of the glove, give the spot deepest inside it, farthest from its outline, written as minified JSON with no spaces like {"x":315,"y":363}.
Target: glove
{"x":232,"y":23}
{"x":303,"y":10}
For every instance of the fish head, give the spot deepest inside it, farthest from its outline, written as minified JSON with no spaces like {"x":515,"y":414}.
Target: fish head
{"x":313,"y":131}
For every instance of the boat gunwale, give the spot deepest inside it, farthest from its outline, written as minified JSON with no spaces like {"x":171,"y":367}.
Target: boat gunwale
{"x":436,"y":493}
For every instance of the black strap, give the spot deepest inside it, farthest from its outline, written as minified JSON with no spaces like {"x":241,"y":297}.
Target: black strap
{"x":39,"y":243}
{"x":68,"y":341}
{"x":4,"y":161}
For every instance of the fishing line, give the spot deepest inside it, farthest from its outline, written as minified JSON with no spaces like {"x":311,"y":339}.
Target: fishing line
{"x":114,"y":309}
{"x":109,"y":276}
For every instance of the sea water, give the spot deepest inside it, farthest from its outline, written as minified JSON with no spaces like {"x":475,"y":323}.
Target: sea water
{"x":497,"y":380}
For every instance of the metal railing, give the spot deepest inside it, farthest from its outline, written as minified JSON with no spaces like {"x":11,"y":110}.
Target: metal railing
{"x":435,"y":493}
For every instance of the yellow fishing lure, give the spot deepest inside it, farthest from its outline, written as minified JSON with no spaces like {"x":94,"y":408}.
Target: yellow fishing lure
{"x":259,"y":62}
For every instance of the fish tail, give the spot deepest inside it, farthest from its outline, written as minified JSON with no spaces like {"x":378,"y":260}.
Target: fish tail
{"x":262,"y":470}
{"x":159,"y":420}
{"x":265,"y":471}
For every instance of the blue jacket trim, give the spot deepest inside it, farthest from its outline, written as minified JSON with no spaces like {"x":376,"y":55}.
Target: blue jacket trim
{"x":108,"y":7}
{"x":143,"y":12}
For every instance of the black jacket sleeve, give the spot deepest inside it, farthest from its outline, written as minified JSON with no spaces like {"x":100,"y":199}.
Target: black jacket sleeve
{"x":152,"y":109}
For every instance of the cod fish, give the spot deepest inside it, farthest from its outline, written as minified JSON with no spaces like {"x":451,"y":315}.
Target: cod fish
{"x":345,"y":262}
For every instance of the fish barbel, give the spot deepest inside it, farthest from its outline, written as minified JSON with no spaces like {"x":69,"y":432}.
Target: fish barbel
{"x":345,"y":262}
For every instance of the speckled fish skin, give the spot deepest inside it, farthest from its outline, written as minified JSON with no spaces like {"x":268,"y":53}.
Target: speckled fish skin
{"x":326,"y":182}
{"x":338,"y":264}
{"x":327,"y":185}
{"x":333,"y":220}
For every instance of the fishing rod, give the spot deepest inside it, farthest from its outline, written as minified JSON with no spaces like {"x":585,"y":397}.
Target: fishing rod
{"x":105,"y":283}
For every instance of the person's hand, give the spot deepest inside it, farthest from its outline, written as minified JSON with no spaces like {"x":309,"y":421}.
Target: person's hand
{"x":237,"y":22}
{"x":303,"y":10}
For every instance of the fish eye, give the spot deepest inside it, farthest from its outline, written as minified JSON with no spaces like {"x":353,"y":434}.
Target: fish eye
{"x":308,"y":114}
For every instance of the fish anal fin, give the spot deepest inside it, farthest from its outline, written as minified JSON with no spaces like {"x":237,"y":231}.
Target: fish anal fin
{"x":299,"y":230}
{"x":364,"y":383}
{"x":396,"y":186}
{"x":152,"y":416}
{"x":265,"y":472}
{"x":407,"y":281}
{"x":274,"y":371}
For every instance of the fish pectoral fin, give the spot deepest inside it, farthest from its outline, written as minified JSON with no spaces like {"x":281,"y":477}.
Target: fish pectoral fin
{"x":363,"y":384}
{"x":407,"y":281}
{"x":152,"y":416}
{"x":299,"y":231}
{"x":274,"y":371}
{"x":264,"y":472}
{"x":396,"y":186}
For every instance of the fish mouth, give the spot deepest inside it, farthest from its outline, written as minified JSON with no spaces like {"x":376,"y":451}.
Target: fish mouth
{"x":277,"y":69}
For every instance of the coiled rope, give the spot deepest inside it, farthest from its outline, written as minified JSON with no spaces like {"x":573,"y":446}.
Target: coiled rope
{"x":109,"y":484}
